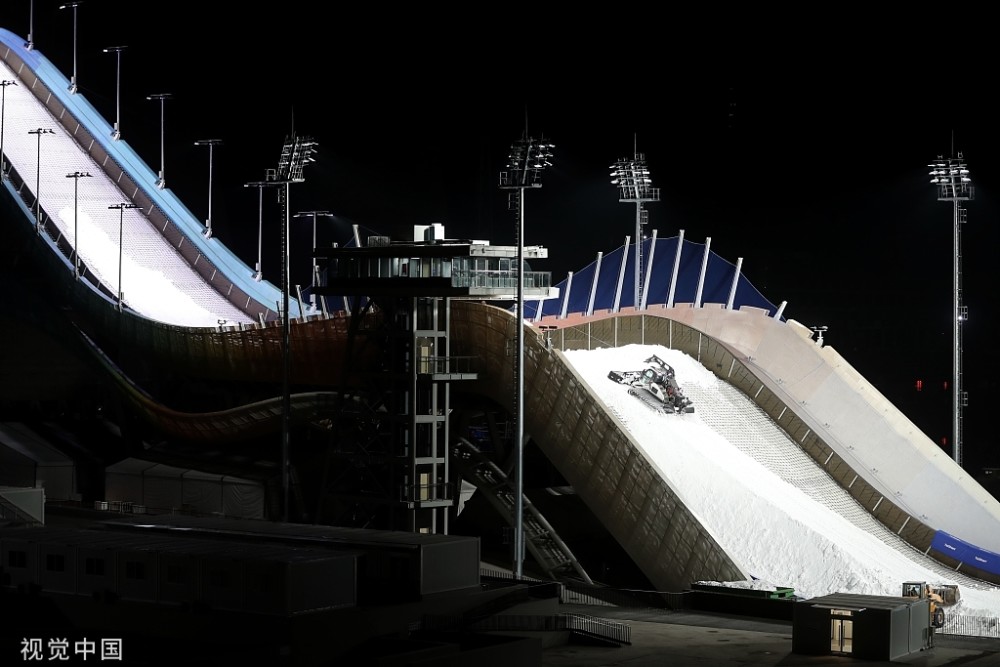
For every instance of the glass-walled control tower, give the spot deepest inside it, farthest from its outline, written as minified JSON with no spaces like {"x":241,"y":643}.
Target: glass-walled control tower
{"x":398,"y":295}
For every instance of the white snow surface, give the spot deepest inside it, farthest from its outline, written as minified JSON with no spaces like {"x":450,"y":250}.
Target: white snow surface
{"x":766,"y":502}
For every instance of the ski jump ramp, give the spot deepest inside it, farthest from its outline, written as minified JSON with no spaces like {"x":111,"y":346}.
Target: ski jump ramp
{"x":832,"y":413}
{"x":894,"y":471}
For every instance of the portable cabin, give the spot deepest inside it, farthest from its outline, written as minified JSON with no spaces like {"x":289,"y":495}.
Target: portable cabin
{"x":868,"y":627}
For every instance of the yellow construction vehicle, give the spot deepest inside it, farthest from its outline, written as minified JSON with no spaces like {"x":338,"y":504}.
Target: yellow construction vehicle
{"x":940,"y":595}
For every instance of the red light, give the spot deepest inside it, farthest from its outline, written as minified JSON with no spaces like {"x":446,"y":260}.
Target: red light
{"x":944,"y":441}
{"x":920,"y":385}
{"x":946,"y":385}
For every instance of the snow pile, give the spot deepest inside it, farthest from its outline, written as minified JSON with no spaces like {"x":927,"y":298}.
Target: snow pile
{"x":763,"y":500}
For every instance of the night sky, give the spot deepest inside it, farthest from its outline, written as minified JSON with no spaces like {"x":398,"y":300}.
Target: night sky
{"x":807,"y":159}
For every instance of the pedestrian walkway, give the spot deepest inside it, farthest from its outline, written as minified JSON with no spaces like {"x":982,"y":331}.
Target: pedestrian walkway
{"x":682,"y":639}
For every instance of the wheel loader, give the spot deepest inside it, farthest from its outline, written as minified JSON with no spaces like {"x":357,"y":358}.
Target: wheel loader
{"x":940,"y":595}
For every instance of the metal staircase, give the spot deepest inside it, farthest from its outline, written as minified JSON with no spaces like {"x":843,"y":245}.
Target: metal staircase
{"x":541,"y":540}
{"x":11,"y":515}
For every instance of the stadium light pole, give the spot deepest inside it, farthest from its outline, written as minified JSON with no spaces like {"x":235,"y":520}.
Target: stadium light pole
{"x":3,"y":111}
{"x":122,"y":207}
{"x":30,"y":44}
{"x":76,"y":176}
{"x":954,"y":184}
{"x":269,"y":178}
{"x":634,"y":186}
{"x":818,"y":332}
{"x":211,"y":143}
{"x":73,"y":5}
{"x":528,"y":158}
{"x":161,"y":182}
{"x":38,"y":177}
{"x":315,"y":267}
{"x":116,"y":134}
{"x":296,"y":153}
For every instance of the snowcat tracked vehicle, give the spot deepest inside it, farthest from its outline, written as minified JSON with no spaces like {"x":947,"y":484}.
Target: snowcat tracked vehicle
{"x":656,"y":386}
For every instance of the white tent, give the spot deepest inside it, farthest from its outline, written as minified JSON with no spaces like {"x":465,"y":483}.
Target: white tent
{"x":163,"y":488}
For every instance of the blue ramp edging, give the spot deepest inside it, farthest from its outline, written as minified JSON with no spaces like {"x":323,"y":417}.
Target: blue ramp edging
{"x":966,"y":553}
{"x":229,"y":264}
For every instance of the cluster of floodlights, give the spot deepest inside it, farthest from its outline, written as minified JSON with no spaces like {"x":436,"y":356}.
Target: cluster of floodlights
{"x":632,"y":178}
{"x":296,"y":153}
{"x":529,"y":157}
{"x":949,"y":172}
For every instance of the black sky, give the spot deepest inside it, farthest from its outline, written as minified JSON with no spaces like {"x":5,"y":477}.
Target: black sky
{"x":806,"y":157}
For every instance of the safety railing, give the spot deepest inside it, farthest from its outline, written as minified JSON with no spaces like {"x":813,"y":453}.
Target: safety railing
{"x":579,"y":592}
{"x":611,"y":631}
{"x":599,"y":627}
{"x":435,"y":365}
{"x":415,"y":493}
{"x":971,"y":626}
{"x":500,"y":279}
{"x":12,"y":513}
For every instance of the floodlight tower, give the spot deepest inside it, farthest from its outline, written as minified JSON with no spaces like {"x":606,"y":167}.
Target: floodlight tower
{"x":211,"y":143}
{"x":161,"y":181}
{"x":634,"y":186}
{"x":528,"y":157}
{"x":296,"y":153}
{"x":315,"y":267}
{"x":38,"y":176}
{"x":30,"y":44}
{"x":951,"y":176}
{"x":116,"y":133}
{"x":122,"y":207}
{"x":76,"y":176}
{"x":3,"y":109}
{"x":269,"y":178}
{"x":74,"y":6}
{"x":818,"y":332}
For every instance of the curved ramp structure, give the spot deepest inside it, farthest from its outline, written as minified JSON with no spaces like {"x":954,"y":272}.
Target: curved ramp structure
{"x":202,"y":313}
{"x":164,"y":268}
{"x":803,"y":387}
